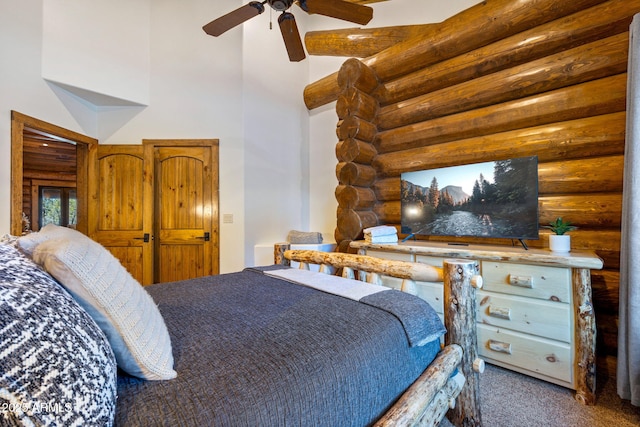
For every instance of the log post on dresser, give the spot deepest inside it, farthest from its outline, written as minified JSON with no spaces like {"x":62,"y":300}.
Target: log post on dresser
{"x":460,"y":278}
{"x":586,"y":341}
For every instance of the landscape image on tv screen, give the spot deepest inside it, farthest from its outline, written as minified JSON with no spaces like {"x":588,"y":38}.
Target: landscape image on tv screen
{"x":496,"y":199}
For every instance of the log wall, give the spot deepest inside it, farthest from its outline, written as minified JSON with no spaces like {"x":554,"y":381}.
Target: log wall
{"x":502,"y":79}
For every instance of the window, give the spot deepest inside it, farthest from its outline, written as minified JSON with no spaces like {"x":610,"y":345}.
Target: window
{"x":58,"y":205}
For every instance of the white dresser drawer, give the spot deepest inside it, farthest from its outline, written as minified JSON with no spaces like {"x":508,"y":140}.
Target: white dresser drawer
{"x":430,"y":260}
{"x":531,"y":281}
{"x":547,"y":319}
{"x":396,"y":256}
{"x":534,"y":354}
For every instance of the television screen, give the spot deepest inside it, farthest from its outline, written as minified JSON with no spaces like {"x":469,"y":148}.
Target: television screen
{"x":496,"y":199}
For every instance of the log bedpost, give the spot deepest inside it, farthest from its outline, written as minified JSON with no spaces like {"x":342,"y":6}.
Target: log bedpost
{"x":278,"y":253}
{"x":460,"y":277}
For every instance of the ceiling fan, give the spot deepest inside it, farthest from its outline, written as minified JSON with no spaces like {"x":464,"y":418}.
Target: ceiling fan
{"x":339,"y":9}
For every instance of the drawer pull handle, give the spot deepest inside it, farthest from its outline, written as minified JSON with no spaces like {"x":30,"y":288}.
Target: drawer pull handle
{"x":522,"y":281}
{"x":500,"y":312}
{"x":500,"y":347}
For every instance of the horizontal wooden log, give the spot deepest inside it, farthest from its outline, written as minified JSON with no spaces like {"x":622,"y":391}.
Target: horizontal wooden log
{"x":355,"y":174}
{"x":321,"y":92}
{"x":606,"y":290}
{"x":461,"y":33}
{"x":359,"y":42}
{"x":588,"y":238}
{"x":387,"y":189}
{"x":476,"y":26}
{"x":388,"y":212}
{"x":391,"y":268}
{"x":602,"y":174}
{"x":354,"y":73}
{"x":595,"y":23}
{"x":607,"y":335}
{"x":354,"y":102}
{"x":592,"y":136}
{"x":584,"y":210}
{"x":595,"y":210}
{"x":351,"y":222}
{"x":441,"y":403}
{"x":355,"y":127}
{"x":603,"y":96}
{"x":343,"y":246}
{"x":611,"y":258}
{"x":354,"y":150}
{"x":598,"y":59}
{"x":358,"y":198}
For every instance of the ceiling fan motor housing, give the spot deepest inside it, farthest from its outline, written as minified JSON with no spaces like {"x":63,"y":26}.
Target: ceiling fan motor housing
{"x":280,"y":5}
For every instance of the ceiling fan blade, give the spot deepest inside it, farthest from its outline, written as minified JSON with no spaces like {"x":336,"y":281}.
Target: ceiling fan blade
{"x":233,"y":18}
{"x":291,"y":36}
{"x":339,"y":9}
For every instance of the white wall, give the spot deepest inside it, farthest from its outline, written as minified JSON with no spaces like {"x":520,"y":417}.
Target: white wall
{"x":77,"y":55}
{"x":276,"y":135}
{"x":277,"y":160}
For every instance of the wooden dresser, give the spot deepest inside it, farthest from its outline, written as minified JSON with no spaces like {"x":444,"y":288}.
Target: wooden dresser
{"x":534,"y":312}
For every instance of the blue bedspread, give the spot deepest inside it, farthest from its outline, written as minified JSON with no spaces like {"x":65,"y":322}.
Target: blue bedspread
{"x":253,"y":350}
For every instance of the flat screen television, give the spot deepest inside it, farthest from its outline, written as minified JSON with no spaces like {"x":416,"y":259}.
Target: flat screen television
{"x":496,"y":199}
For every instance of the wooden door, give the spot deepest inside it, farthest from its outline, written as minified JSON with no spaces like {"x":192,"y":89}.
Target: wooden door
{"x":120,"y":217}
{"x":186,"y":209}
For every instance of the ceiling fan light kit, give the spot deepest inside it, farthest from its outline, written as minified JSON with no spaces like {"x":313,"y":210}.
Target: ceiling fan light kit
{"x":338,"y":9}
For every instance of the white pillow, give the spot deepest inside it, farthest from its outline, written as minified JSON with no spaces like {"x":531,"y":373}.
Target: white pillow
{"x":117,"y":302}
{"x":29,"y":241}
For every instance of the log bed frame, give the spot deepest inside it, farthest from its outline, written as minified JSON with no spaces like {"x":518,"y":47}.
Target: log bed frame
{"x":436,"y":392}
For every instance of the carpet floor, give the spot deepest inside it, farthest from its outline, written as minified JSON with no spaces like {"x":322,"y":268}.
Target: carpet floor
{"x":510,"y":399}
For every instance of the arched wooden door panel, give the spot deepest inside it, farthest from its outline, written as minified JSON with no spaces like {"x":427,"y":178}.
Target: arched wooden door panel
{"x":117,"y":217}
{"x":183,"y":200}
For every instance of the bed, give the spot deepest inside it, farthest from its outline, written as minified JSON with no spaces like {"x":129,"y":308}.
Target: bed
{"x":81,"y":343}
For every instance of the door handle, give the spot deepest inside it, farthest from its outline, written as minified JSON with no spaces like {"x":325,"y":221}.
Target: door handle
{"x":206,"y":237}
{"x":145,"y":237}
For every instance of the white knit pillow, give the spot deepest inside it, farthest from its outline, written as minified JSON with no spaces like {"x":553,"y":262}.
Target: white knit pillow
{"x":29,"y":241}
{"x":117,"y":302}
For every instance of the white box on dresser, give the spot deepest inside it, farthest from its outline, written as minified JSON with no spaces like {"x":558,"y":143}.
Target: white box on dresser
{"x":534,"y":313}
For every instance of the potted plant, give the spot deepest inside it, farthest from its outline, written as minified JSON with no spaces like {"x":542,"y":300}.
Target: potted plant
{"x":560,"y":242}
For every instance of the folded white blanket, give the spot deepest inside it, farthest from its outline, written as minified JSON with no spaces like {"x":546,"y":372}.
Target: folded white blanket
{"x":381,"y":239}
{"x":380,"y":230}
{"x":347,"y":288}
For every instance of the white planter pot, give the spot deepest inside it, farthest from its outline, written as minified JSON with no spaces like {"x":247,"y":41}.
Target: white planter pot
{"x":560,"y":243}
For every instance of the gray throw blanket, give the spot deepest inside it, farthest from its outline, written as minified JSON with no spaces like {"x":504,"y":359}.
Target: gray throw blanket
{"x":304,"y":237}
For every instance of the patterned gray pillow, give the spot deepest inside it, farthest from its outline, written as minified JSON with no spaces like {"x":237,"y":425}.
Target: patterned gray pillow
{"x":56,"y":365}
